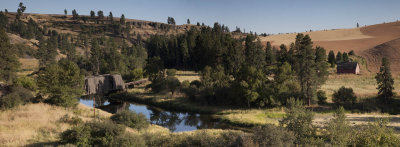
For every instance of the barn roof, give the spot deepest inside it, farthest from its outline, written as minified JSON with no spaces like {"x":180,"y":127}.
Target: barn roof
{"x":347,"y":66}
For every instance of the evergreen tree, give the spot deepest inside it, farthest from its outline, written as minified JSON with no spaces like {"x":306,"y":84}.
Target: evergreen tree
{"x":270,"y":58}
{"x":283,"y":54}
{"x":339,"y":57}
{"x":171,"y":20}
{"x":299,"y":120}
{"x":65,"y":12}
{"x":100,"y":14}
{"x":92,"y":14}
{"x":75,"y":15}
{"x":122,"y":19}
{"x":339,"y":130}
{"x":188,"y":21}
{"x":385,"y":81}
{"x":111,"y":17}
{"x":3,"y":20}
{"x":331,"y":58}
{"x":321,"y":66}
{"x":9,"y":63}
{"x":254,"y":53}
{"x":345,"y":57}
{"x":62,"y":82}
{"x":95,"y":57}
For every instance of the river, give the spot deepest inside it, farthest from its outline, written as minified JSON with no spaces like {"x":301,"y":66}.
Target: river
{"x":173,"y":120}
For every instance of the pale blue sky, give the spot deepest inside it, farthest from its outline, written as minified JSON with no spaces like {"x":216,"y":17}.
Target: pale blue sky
{"x":270,"y":16}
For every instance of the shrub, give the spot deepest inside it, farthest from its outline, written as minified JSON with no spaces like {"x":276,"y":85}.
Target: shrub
{"x":321,"y":97}
{"x":196,"y":83}
{"x":17,"y":96}
{"x":74,"y":120}
{"x":374,"y":134}
{"x":26,"y":82}
{"x":299,"y":120}
{"x":344,"y":96}
{"x":131,"y":119}
{"x":271,"y":135}
{"x":338,"y":129}
{"x":128,"y":140}
{"x":157,"y":86}
{"x":172,"y":84}
{"x":96,"y":134}
{"x":171,"y":72}
{"x":136,"y":74}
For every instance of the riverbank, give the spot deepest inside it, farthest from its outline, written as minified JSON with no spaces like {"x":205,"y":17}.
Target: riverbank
{"x":40,"y":124}
{"x":237,"y":117}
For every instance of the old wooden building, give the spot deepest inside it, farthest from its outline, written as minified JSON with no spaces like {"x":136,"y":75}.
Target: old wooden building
{"x":103,"y":84}
{"x":348,"y":68}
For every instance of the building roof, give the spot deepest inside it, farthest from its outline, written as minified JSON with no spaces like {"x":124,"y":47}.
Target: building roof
{"x":347,"y":66}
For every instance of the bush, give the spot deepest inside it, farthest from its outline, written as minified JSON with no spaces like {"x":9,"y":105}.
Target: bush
{"x":17,"y":96}
{"x":62,"y":100}
{"x":344,"y":96}
{"x":321,"y":97}
{"x":374,"y":134}
{"x":129,"y":140}
{"x":171,"y":72}
{"x":26,"y":82}
{"x":157,"y":86}
{"x":131,"y":119}
{"x":172,"y":84}
{"x":271,"y":135}
{"x":97,"y":134}
{"x":74,"y":120}
{"x":136,"y":74}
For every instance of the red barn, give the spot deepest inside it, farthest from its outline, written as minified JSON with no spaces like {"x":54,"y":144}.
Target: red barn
{"x":348,"y":68}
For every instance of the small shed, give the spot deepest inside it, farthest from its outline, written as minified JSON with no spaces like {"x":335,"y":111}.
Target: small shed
{"x":103,"y":84}
{"x":348,"y":68}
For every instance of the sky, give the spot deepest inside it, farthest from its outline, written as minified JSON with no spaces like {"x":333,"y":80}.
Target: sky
{"x":261,"y":16}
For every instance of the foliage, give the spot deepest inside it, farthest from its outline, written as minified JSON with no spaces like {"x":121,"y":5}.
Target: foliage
{"x":321,"y":95}
{"x":271,"y":135}
{"x":74,"y":120}
{"x":135,"y":75}
{"x":99,"y":134}
{"x":339,"y":57}
{"x":352,"y":53}
{"x":130,"y":119}
{"x":338,"y":129}
{"x":331,"y":58}
{"x":311,"y":66}
{"x":62,"y":82}
{"x":26,"y":82}
{"x":172,"y":84}
{"x":375,"y":134}
{"x":385,"y":81}
{"x":344,"y":96}
{"x":299,"y":120}
{"x":171,"y":72}
{"x":345,"y":57}
{"x":9,"y":63}
{"x":17,"y":96}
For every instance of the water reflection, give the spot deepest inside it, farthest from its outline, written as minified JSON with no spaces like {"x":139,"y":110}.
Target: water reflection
{"x":174,"y":121}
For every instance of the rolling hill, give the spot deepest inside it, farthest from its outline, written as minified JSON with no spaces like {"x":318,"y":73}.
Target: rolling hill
{"x":371,"y":42}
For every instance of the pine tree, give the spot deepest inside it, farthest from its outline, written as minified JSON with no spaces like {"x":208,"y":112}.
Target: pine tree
{"x":122,"y":19}
{"x":188,"y":21}
{"x":75,"y":15}
{"x":339,"y":57}
{"x":9,"y":63}
{"x":270,"y":58}
{"x":92,"y":14}
{"x":65,"y":12}
{"x":345,"y":57}
{"x":385,"y":81}
{"x":111,"y":17}
{"x":331,"y":58}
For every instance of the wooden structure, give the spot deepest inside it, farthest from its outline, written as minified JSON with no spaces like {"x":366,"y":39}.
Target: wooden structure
{"x":103,"y":84}
{"x":135,"y":83}
{"x":348,"y":68}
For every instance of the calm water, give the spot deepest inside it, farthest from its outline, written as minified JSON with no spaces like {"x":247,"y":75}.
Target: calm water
{"x":174,"y":121}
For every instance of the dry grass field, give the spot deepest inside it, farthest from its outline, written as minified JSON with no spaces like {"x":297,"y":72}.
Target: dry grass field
{"x":35,"y":123}
{"x":371,"y":42}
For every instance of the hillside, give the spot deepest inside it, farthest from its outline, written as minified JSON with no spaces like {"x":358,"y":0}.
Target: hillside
{"x":365,"y":41}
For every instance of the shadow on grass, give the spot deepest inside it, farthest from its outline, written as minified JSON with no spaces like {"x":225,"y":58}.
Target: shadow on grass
{"x":366,"y":105}
{"x":42,"y":144}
